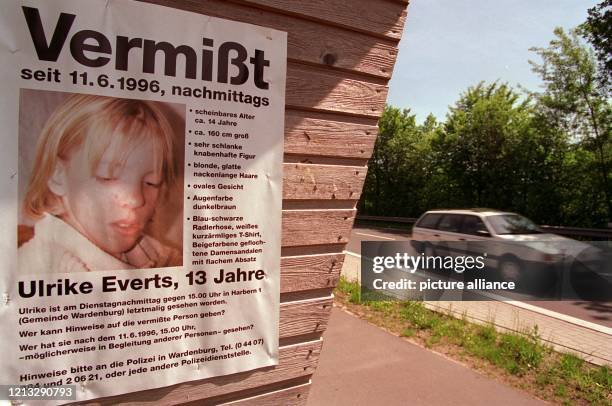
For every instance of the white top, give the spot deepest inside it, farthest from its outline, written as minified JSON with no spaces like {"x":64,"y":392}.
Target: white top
{"x":57,"y":247}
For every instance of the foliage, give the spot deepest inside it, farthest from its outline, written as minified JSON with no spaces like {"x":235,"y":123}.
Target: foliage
{"x":350,"y":289}
{"x":597,"y":29}
{"x":488,"y":139}
{"x":574,"y":102}
{"x":398,"y":151}
{"x":547,"y":154}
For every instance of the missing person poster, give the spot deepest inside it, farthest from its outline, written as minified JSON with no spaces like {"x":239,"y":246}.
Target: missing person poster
{"x":141,"y":195}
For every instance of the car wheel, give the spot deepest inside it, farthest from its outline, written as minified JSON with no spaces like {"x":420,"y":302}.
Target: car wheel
{"x":510,"y":270}
{"x":588,"y":283}
{"x":429,"y":250}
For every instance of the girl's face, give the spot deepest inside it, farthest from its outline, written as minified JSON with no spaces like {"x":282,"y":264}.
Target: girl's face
{"x":112,"y":207}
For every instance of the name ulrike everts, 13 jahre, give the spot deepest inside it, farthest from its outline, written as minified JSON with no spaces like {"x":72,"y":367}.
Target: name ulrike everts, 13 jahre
{"x":66,"y":287}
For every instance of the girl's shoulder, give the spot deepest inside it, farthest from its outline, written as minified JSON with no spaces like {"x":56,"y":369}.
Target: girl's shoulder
{"x":42,"y":256}
{"x":152,"y":253}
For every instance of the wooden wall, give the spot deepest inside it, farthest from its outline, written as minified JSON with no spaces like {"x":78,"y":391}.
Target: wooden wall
{"x":340,"y":58}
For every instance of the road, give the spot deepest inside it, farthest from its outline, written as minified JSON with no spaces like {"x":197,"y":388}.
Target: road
{"x":594,"y":312}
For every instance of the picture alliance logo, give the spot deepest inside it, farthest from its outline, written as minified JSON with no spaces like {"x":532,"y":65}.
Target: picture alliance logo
{"x":412,"y":263}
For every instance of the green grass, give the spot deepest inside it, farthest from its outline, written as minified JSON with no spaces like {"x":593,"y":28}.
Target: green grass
{"x":408,"y":332}
{"x":565,"y":377}
{"x":351,"y":289}
{"x":572,"y":371}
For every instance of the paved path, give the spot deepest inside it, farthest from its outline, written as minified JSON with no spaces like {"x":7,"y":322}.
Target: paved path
{"x":364,"y":365}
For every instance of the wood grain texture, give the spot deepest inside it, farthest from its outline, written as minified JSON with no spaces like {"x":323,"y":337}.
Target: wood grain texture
{"x":309,"y":133}
{"x":315,"y":88}
{"x":294,"y":396}
{"x":312,"y":182}
{"x":308,"y":272}
{"x":307,"y":41}
{"x":294,"y":361}
{"x":304,"y":317}
{"x":296,"y":318}
{"x":313,"y":227}
{"x":387,"y":21}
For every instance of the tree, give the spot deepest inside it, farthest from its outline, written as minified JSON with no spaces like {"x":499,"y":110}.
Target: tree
{"x":389,"y":156}
{"x":574,"y":102}
{"x":486,"y":145}
{"x":597,"y":29}
{"x":397,"y":179}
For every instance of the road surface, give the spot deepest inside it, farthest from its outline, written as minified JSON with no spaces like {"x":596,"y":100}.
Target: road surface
{"x":594,"y":312}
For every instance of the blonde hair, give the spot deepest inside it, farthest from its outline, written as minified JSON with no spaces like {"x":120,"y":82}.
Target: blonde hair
{"x":91,"y":122}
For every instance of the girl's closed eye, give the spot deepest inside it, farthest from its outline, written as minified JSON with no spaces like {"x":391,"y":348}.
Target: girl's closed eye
{"x":155,"y":185}
{"x":104,"y":174}
{"x":105,"y":178}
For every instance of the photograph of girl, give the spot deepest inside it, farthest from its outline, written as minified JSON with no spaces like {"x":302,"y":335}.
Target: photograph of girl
{"x":96,"y":197}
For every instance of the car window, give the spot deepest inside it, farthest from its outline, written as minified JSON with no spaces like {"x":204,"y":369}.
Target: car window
{"x":429,"y":221}
{"x":472,"y":224}
{"x":450,"y":222}
{"x":513,"y":224}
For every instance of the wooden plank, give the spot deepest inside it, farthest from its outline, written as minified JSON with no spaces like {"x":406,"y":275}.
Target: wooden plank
{"x":319,"y":204}
{"x":294,"y":297}
{"x":304,"y":317}
{"x":313,"y":227}
{"x":315,"y":88}
{"x":296,"y":318}
{"x":307,"y":41}
{"x":294,"y":396}
{"x":306,"y":181}
{"x":309,"y":133}
{"x":387,"y":20}
{"x":294,"y":361}
{"x":326,"y":249}
{"x":310,"y":272}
